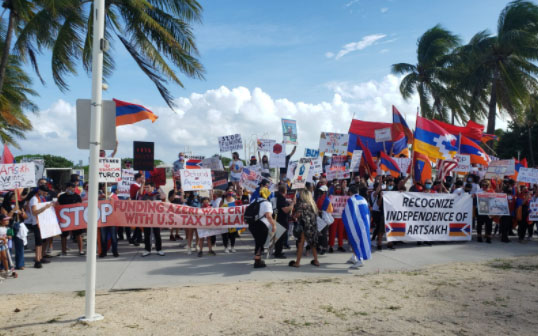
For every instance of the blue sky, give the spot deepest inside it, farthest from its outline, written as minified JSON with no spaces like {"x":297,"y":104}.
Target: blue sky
{"x":282,"y":48}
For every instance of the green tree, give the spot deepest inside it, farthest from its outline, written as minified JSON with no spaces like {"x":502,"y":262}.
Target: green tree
{"x":51,"y":161}
{"x":428,"y":77}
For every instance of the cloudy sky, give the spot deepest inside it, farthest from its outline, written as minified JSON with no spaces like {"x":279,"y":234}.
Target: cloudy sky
{"x":319,"y":62}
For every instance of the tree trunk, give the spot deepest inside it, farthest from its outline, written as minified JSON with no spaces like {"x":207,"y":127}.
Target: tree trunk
{"x":492,"y":108}
{"x":7,"y":48}
{"x":531,"y":151}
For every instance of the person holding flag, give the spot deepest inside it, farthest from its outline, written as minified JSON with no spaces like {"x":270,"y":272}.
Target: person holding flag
{"x":356,"y":216}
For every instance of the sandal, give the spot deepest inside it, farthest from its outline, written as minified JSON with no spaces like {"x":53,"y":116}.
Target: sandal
{"x":293,"y":264}
{"x":314,"y":263}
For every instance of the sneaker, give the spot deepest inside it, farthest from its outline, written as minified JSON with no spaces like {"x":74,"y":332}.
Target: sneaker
{"x":189,"y":250}
{"x":45,"y":261}
{"x":116,"y":255}
{"x":200,"y":254}
{"x":331,"y":249}
{"x":233,"y":250}
{"x":226,"y":250}
{"x":212,"y":253}
{"x":81,"y":253}
{"x":38,"y":265}
{"x":341,"y":249}
{"x":145,"y":253}
{"x":353,"y":260}
{"x":161,"y":253}
{"x":356,"y":265}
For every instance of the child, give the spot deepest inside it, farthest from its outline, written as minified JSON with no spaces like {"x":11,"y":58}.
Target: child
{"x":205,"y":204}
{"x":4,"y":239}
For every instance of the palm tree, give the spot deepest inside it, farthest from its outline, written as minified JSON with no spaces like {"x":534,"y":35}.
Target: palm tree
{"x":156,"y":33}
{"x":427,"y":76}
{"x":501,"y":68}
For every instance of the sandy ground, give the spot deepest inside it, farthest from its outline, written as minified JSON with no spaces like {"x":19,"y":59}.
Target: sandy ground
{"x":496,"y":297}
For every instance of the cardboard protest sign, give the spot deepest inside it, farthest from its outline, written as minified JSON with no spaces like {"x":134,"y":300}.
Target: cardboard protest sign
{"x":337,"y":175}
{"x":533,"y":211}
{"x":17,"y":175}
{"x":290,"y":172}
{"x":333,"y":143}
{"x":220,"y":179}
{"x":464,"y":163}
{"x":48,"y":222}
{"x":355,"y":160}
{"x":338,"y":162}
{"x":411,"y":216}
{"x":196,"y":179}
{"x":265,"y":145}
{"x":311,"y":153}
{"x":230,"y":143}
{"x":338,"y":203}
{"x":109,"y":170}
{"x":289,"y":131}
{"x":528,"y":175}
{"x":301,"y":173}
{"x":277,"y":157}
{"x":150,"y":214}
{"x":250,"y":179}
{"x":501,"y":168}
{"x":124,"y":186}
{"x":143,"y":155}
{"x":213,"y":163}
{"x":493,"y":204}
{"x":383,"y":134}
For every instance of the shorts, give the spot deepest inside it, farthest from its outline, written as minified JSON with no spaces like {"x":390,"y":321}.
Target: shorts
{"x":37,"y":236}
{"x":379,"y":221}
{"x":76,"y":233}
{"x":3,"y":247}
{"x":235,"y":179}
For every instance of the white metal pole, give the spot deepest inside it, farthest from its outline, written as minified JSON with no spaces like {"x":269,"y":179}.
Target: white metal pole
{"x":95,"y":146}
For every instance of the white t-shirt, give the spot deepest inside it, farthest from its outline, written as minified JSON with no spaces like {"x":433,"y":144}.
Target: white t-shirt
{"x":216,"y":202}
{"x":33,"y":201}
{"x":265,"y":207}
{"x":237,"y":169}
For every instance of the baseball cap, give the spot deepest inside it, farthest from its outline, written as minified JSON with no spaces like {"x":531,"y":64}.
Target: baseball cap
{"x":323,"y":188}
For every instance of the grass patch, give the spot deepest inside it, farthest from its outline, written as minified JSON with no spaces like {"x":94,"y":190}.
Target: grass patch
{"x":338,"y":313}
{"x":292,"y":323}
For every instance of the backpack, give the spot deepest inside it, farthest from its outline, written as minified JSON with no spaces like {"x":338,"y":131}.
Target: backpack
{"x":252,"y":212}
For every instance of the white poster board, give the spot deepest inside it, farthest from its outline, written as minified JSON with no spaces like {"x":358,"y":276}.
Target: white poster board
{"x":17,"y":175}
{"x":301,"y":173}
{"x":48,"y":222}
{"x":277,"y":156}
{"x":355,"y":160}
{"x":289,"y":131}
{"x":109,"y":170}
{"x":213,"y":163}
{"x":230,"y":143}
{"x":265,"y":145}
{"x":196,"y":179}
{"x":464,"y":163}
{"x":124,"y":186}
{"x":333,"y":143}
{"x":533,"y":211}
{"x":528,"y":175}
{"x":492,"y":204}
{"x":501,"y":168}
{"x":383,"y":134}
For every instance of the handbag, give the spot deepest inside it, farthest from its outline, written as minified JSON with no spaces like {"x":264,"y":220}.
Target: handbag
{"x":297,"y":230}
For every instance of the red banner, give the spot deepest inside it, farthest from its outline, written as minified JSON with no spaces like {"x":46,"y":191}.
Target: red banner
{"x":150,"y":214}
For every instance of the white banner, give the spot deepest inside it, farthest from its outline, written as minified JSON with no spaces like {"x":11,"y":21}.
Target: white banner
{"x":464,"y":163}
{"x":48,"y":222}
{"x":109,"y":170}
{"x":265,"y":145}
{"x":528,"y":175}
{"x":124,"y":186}
{"x":493,"y":204}
{"x":411,"y":216}
{"x":230,"y":143}
{"x":17,"y":175}
{"x":383,"y":134}
{"x":301,"y":173}
{"x":196,"y":179}
{"x":355,"y":160}
{"x":334,"y":143}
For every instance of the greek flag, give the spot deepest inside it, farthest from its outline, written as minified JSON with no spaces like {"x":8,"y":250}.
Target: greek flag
{"x":356,"y":218}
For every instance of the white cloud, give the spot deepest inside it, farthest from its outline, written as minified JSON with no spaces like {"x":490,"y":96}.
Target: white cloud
{"x":201,"y":117}
{"x":351,"y":3}
{"x":365,"y":42}
{"x":384,"y":51}
{"x":384,"y":10}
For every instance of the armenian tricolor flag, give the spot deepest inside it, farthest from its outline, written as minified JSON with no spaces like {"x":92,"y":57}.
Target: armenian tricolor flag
{"x":471,"y":148}
{"x":128,"y":113}
{"x":365,"y":131}
{"x":386,"y":163}
{"x":433,"y":140}
{"x":488,"y":137}
{"x":422,"y":167}
{"x":368,"y":159}
{"x":400,"y":125}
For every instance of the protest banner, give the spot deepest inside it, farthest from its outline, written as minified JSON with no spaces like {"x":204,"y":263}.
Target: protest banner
{"x":338,"y":162}
{"x":230,"y":143}
{"x":220,"y":179}
{"x":109,"y":170}
{"x":265,"y":145}
{"x":411,"y":216}
{"x":528,"y":175}
{"x":311,"y":153}
{"x":250,"y":179}
{"x":501,"y":168}
{"x":338,"y":203}
{"x":464,"y":163}
{"x":277,"y":157}
{"x":333,"y":143}
{"x":17,"y":175}
{"x":124,"y":186}
{"x":383,"y":134}
{"x":301,"y":173}
{"x":533,"y":211}
{"x":196,"y":179}
{"x":150,"y":214}
{"x":48,"y":222}
{"x":492,"y":204}
{"x":289,"y":131}
{"x":290,"y":172}
{"x":355,"y":160}
{"x":143,"y":155}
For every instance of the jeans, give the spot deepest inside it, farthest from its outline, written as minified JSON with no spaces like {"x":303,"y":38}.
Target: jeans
{"x":484,"y":221}
{"x":18,"y":247}
{"x":107,"y":233}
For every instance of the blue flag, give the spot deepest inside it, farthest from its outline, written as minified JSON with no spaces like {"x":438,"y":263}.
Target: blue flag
{"x":356,"y":217}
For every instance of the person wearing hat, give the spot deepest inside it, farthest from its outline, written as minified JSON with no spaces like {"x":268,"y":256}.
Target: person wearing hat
{"x":40,"y":197}
{"x":71,"y":197}
{"x":253,"y":161}
{"x":260,"y":228}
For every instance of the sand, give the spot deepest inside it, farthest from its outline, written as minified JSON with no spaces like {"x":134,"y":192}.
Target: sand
{"x":496,"y":297}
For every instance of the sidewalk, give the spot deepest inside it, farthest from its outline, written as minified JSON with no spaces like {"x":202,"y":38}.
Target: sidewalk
{"x":130,"y":270}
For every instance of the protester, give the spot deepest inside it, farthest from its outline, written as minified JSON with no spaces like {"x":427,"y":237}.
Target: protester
{"x":483,"y":220}
{"x":236,"y":170}
{"x":356,"y":216}
{"x":149,"y":193}
{"x":228,"y":238}
{"x":40,"y":197}
{"x":324,"y":205}
{"x":5,"y":236}
{"x":284,"y":208}
{"x":284,"y":170}
{"x":337,"y":227}
{"x":522,"y":212}
{"x":70,"y":197}
{"x":205,"y":204}
{"x":261,"y":226}
{"x":11,"y":208}
{"x":139,"y":181}
{"x":175,"y":197}
{"x":305,"y":214}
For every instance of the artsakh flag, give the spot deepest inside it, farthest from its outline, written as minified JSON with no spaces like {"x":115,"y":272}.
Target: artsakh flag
{"x":128,"y":113}
{"x":433,"y":140}
{"x":472,"y":130}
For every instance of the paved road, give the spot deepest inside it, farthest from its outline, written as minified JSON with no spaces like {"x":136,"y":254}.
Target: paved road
{"x":130,"y":270}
